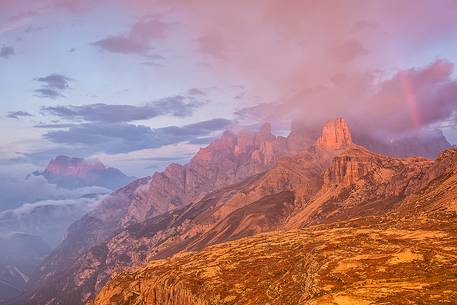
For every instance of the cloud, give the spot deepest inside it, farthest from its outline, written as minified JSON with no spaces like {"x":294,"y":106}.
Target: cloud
{"x":48,"y":93}
{"x":363,"y":25}
{"x":195,"y":91}
{"x":74,"y":6}
{"x":178,"y":106}
{"x":15,"y":191}
{"x":409,"y":100}
{"x":48,"y":219}
{"x":17,"y":114}
{"x":213,"y":45}
{"x":138,"y":40}
{"x":55,"y":81}
{"x":349,"y":51}
{"x":53,"y":85}
{"x":290,"y":54}
{"x":114,"y":138}
{"x":202,"y":141}
{"x":7,"y":52}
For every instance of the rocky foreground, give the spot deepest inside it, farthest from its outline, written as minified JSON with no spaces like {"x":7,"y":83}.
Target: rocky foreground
{"x":410,"y":262}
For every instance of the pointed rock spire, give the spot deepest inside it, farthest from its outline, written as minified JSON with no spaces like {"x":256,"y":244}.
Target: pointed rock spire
{"x":335,"y":134}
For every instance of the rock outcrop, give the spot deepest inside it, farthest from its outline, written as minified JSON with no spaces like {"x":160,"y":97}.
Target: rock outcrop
{"x":335,"y":135}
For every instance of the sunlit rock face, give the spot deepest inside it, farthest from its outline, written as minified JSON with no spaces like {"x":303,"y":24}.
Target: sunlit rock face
{"x":335,"y":134}
{"x":72,"y":173}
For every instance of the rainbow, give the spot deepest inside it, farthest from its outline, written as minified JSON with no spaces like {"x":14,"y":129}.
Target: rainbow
{"x":410,"y":98}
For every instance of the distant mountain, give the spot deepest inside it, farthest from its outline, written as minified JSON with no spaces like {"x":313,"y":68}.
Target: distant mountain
{"x":20,"y":254}
{"x":73,"y":173}
{"x":238,"y":186}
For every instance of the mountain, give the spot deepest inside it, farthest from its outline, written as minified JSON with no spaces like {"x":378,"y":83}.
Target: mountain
{"x":74,"y":173}
{"x":228,"y":160}
{"x":20,"y":254}
{"x":238,"y":186}
{"x":406,"y":255}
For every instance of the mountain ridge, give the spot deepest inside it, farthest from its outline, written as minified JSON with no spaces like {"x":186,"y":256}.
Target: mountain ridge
{"x":265,"y":189}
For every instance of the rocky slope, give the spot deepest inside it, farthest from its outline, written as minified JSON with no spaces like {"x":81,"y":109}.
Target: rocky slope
{"x":73,"y":173}
{"x":404,"y":256}
{"x":332,"y":264}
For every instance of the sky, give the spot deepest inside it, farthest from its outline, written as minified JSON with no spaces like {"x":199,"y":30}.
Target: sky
{"x":138,"y":84}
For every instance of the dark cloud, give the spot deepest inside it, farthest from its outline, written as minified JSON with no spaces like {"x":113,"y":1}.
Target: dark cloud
{"x":202,"y":141}
{"x":7,"y":52}
{"x":195,"y":91}
{"x":123,"y":137}
{"x":17,"y":114}
{"x":153,"y":60}
{"x":178,"y":106}
{"x":56,"y":125}
{"x":52,"y":85}
{"x":138,"y":40}
{"x":55,"y":81}
{"x":48,"y":93}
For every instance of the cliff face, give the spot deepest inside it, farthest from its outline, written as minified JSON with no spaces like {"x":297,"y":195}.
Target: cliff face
{"x":335,"y":134}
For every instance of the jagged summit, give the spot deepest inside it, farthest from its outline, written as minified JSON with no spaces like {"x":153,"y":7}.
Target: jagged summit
{"x":335,"y":134}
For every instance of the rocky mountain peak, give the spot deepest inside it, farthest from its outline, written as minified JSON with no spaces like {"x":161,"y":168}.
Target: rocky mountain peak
{"x":335,"y":135}
{"x":68,"y":172}
{"x":67,"y":166}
